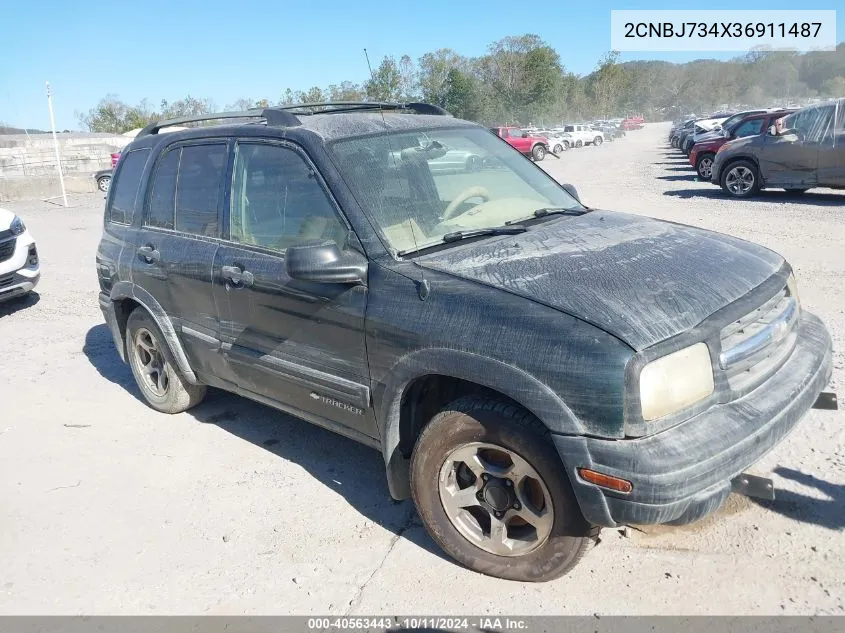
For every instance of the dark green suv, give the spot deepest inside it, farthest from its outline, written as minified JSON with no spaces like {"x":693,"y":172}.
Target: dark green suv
{"x":531,"y":369}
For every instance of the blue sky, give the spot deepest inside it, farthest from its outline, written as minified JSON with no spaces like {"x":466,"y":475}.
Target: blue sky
{"x":226,"y":50}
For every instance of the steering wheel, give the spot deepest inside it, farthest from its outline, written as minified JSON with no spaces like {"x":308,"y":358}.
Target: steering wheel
{"x":470,"y":192}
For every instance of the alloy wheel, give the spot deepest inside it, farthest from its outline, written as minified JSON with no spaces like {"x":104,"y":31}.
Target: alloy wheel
{"x":151,"y":363}
{"x":739,"y":180}
{"x":495,"y":499}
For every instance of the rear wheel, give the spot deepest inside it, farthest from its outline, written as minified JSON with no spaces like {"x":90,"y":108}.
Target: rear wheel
{"x":493,"y":493}
{"x":538,"y":153}
{"x":558,"y":148}
{"x":160,"y":383}
{"x":740,"y":179}
{"x":103,"y":183}
{"x":704,"y":166}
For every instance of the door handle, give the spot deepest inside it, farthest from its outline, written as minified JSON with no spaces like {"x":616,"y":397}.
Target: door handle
{"x":149,"y":254}
{"x":237,"y":277}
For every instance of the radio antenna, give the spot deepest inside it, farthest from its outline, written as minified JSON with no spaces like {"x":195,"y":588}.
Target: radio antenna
{"x":424,"y":287}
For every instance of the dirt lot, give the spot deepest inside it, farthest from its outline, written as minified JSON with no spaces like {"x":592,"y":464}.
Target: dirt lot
{"x":109,"y":507}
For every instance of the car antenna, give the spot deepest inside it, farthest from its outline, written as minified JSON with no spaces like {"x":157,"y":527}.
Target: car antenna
{"x":424,"y":287}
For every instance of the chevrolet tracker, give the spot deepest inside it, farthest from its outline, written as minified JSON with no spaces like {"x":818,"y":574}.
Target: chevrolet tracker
{"x":530,"y":368}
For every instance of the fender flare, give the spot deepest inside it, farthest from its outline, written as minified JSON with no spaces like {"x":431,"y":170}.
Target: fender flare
{"x":128,"y":290}
{"x":508,"y":380}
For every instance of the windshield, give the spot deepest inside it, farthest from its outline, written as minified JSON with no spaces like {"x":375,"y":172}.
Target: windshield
{"x":419,"y":186}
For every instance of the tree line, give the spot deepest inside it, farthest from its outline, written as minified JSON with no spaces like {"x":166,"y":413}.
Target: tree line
{"x":521,"y":79}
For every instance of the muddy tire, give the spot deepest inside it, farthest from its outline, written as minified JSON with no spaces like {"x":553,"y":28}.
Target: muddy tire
{"x":154,"y":370}
{"x":492,"y":492}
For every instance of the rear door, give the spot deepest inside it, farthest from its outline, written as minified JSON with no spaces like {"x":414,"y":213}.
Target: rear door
{"x":832,"y":150}
{"x":791,"y":159}
{"x":299,"y":344}
{"x":180,"y":235}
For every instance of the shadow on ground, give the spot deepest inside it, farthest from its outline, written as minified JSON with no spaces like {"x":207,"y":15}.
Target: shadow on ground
{"x":689,"y":177}
{"x":765,"y":196}
{"x":354,"y":471}
{"x":828,"y":513}
{"x":10,"y":306}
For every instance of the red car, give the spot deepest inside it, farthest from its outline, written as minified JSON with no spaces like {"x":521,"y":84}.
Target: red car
{"x":702,"y":154}
{"x":114,"y":158}
{"x":535,"y":147}
{"x":633,"y":123}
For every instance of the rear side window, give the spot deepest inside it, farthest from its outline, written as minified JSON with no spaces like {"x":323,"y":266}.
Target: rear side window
{"x":201,"y":170}
{"x":160,"y":211}
{"x":127,"y":181}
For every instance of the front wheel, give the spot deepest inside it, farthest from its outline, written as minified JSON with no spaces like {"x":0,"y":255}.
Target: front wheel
{"x":160,"y":383}
{"x":704,"y":166}
{"x":538,"y":153}
{"x":558,"y":149}
{"x":493,"y":493}
{"x":740,"y":179}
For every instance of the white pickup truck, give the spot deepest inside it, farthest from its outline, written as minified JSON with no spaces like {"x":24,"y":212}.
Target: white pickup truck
{"x":583,"y":135}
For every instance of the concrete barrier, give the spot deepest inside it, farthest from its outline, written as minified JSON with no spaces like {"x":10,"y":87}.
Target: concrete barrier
{"x":28,"y":163}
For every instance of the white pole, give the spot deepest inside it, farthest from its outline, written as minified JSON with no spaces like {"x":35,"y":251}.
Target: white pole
{"x":56,"y":142}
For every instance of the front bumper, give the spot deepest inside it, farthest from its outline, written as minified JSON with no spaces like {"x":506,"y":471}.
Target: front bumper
{"x":17,"y":275}
{"x":685,"y":472}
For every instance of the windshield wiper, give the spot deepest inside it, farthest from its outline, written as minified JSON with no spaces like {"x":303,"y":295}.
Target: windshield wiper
{"x":540,"y":213}
{"x":511,"y":229}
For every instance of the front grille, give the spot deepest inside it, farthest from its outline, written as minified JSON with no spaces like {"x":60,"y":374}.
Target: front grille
{"x":754,"y":346}
{"x":7,"y":248}
{"x":6,"y":280}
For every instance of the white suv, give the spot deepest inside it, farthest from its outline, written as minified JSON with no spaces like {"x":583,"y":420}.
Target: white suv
{"x":19,"y":270}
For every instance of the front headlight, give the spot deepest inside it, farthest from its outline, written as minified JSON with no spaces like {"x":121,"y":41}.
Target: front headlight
{"x":676,"y":381}
{"x":792,"y":288}
{"x":17,"y":226}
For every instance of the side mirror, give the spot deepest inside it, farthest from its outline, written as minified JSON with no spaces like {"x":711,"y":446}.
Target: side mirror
{"x":773,"y":130}
{"x":572,"y":191}
{"x":525,"y":135}
{"x":325,"y":263}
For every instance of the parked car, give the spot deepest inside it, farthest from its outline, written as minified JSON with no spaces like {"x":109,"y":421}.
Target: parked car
{"x":114,"y":158}
{"x":530,"y":368}
{"x":703,"y":152}
{"x":19,"y":267}
{"x":448,"y":159}
{"x":535,"y":147}
{"x":808,"y":152}
{"x":103,"y":179}
{"x":558,"y":142}
{"x":700,"y":130}
{"x":582,"y":135}
{"x":633,"y":123}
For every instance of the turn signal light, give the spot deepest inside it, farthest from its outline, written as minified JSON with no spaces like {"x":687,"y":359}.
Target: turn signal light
{"x":605,"y":481}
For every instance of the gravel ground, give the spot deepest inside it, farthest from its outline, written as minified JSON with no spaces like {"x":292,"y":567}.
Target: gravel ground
{"x":109,"y":507}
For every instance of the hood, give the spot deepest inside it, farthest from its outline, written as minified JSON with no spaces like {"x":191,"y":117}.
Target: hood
{"x":640,"y":279}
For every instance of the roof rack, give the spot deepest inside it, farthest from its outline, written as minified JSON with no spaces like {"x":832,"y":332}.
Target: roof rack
{"x":331,"y":107}
{"x":273,"y":116}
{"x":281,"y":115}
